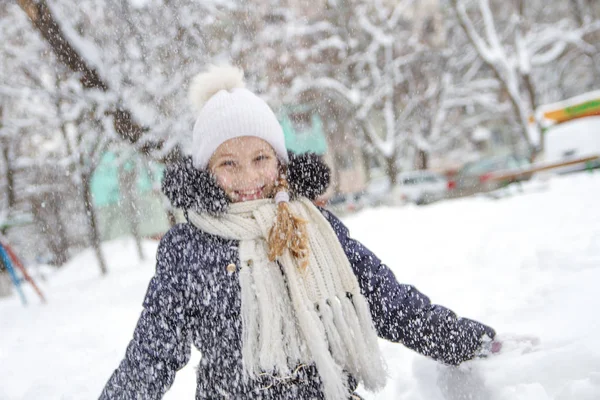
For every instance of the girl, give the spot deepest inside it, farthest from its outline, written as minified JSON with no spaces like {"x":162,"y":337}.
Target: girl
{"x":279,"y":299}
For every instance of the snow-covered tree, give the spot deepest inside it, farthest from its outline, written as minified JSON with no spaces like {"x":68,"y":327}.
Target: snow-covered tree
{"x":22,"y":100}
{"x":354,"y":54}
{"x":53,"y":134}
{"x":513,"y":44}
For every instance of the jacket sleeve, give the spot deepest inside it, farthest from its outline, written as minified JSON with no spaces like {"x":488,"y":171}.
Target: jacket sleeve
{"x":161,"y":340}
{"x":402,"y":314}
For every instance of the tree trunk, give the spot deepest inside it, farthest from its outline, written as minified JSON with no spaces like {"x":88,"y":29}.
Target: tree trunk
{"x":90,"y":213}
{"x":530,"y":87}
{"x":46,"y":214}
{"x":128,"y":179}
{"x":60,"y":231}
{"x":522,"y":119}
{"x":421,"y":160}
{"x":391,"y":169}
{"x":10,"y":178}
{"x":366,"y":162}
{"x":335,"y":172}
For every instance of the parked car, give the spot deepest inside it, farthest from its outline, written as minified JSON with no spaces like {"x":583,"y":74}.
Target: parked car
{"x":343,"y":203}
{"x":421,"y":187}
{"x":378,"y":191}
{"x":475,"y":177}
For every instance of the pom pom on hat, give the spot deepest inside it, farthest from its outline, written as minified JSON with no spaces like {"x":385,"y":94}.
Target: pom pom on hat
{"x":226,"y":110}
{"x":216,"y":78}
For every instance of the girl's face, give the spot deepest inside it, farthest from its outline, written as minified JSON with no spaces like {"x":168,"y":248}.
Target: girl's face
{"x":246,"y":168}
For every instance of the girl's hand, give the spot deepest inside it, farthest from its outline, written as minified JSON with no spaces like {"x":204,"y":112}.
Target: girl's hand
{"x":495,"y":346}
{"x":507,"y":343}
{"x":522,"y":343}
{"x":488,"y":347}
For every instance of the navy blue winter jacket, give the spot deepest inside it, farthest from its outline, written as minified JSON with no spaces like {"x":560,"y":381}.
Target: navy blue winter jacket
{"x":192,"y":299}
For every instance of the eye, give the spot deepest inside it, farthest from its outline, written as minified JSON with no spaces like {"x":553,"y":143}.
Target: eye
{"x":227,"y":163}
{"x":262,"y":157}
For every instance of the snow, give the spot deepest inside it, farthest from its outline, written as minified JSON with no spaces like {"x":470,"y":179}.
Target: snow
{"x":139,"y":3}
{"x":526,"y":264}
{"x":350,"y":95}
{"x":481,"y":134}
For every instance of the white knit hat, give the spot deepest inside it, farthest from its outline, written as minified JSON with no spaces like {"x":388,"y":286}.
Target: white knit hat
{"x":226,"y":110}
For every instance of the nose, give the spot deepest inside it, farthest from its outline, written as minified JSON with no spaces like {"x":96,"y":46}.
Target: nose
{"x":249,"y":177}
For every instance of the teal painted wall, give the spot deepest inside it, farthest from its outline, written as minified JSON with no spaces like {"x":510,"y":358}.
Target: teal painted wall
{"x":311,"y":139}
{"x":106,"y":193}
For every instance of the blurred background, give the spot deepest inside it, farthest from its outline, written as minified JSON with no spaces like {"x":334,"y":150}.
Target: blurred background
{"x":406,"y":101}
{"x":409,"y":102}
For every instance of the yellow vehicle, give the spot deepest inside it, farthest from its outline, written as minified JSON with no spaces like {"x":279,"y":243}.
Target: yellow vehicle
{"x":571,"y":129}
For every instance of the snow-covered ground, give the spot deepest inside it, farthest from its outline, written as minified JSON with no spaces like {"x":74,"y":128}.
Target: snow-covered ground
{"x":527,"y":264}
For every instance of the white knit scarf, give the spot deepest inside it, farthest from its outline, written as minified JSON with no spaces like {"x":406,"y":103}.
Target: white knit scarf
{"x":292,"y":317}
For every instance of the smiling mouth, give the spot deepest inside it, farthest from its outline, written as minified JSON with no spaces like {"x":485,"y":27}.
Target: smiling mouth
{"x":245,"y":195}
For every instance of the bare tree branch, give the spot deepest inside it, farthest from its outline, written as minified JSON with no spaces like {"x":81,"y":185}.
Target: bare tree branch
{"x":45,"y":22}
